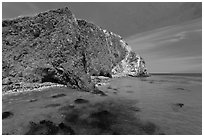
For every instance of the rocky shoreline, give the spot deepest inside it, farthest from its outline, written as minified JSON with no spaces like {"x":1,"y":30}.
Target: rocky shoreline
{"x":32,"y":87}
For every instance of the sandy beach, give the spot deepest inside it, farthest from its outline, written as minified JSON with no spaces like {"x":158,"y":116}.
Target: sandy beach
{"x":160,"y":104}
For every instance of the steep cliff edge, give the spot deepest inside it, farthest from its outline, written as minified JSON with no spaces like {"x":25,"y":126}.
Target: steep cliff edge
{"x":54,"y":46}
{"x":131,"y":65}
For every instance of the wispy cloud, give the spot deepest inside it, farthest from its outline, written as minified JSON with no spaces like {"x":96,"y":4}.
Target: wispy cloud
{"x":178,"y":47}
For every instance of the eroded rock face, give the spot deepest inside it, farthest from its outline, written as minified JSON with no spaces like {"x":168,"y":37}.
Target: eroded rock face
{"x":54,"y":46}
{"x":132,"y":65}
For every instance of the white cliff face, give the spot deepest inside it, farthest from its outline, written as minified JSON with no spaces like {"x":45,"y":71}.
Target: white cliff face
{"x":132,"y":65}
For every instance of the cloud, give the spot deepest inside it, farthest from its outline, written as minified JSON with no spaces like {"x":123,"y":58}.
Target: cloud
{"x":171,"y":49}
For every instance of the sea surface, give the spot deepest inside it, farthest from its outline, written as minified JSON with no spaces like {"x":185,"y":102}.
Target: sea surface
{"x":161,"y":104}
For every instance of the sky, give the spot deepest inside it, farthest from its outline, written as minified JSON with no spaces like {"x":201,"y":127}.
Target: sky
{"x":172,"y":49}
{"x":167,"y":35}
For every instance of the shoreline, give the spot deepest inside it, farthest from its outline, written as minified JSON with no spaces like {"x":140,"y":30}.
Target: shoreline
{"x":158,"y":104}
{"x":40,"y":87}
{"x":32,"y":87}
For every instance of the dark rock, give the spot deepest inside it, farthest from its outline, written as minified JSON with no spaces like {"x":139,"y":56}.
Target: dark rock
{"x":177,"y":107}
{"x":179,"y":104}
{"x":115,"y":133}
{"x":58,"y":95}
{"x":46,"y":127}
{"x":66,"y":129}
{"x":151,"y":81}
{"x":100,"y":80}
{"x":54,"y":46}
{"x":102,"y":119}
{"x":99,"y":92}
{"x":149,"y":128}
{"x":162,"y":134}
{"x":7,"y":81}
{"x":136,"y":109}
{"x":180,"y":88}
{"x":33,"y":100}
{"x":109,"y":87}
{"x":72,"y":117}
{"x":81,"y":101}
{"x":7,"y":114}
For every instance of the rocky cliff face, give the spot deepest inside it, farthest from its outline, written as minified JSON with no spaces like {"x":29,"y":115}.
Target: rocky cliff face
{"x":54,"y":46}
{"x":132,"y":65}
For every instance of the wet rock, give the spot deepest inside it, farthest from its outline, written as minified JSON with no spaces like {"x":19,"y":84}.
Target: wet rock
{"x":151,"y":82}
{"x":7,"y":81}
{"x":180,"y":89}
{"x":46,"y":127}
{"x":99,"y":92}
{"x":109,"y":87}
{"x":177,"y":107}
{"x":179,"y":104}
{"x":102,"y":119}
{"x":65,"y":129}
{"x":81,"y":101}
{"x":33,"y":100}
{"x":58,"y":95}
{"x":100,"y":80}
{"x":115,"y":133}
{"x":136,"y":109}
{"x":149,"y":128}
{"x":7,"y":114}
{"x":72,"y":117}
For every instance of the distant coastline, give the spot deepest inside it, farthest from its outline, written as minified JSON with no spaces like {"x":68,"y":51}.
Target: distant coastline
{"x":178,"y":74}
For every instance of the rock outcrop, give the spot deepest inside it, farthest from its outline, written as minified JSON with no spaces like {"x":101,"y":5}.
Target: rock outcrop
{"x":54,"y":46}
{"x":132,"y":65}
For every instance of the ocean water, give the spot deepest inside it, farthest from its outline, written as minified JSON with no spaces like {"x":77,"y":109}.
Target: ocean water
{"x":159,"y":97}
{"x":160,"y":104}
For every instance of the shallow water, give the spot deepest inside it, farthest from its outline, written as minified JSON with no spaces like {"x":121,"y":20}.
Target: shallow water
{"x":157,"y":97}
{"x":160,"y":104}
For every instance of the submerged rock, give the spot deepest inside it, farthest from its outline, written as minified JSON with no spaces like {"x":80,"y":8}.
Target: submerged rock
{"x":46,"y":127}
{"x":54,"y":46}
{"x":81,"y":101}
{"x":58,"y":95}
{"x":7,"y":114}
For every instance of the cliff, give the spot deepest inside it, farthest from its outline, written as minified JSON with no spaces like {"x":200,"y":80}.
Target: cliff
{"x":55,"y":47}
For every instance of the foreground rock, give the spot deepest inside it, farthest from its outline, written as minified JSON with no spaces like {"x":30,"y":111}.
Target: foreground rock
{"x":56,"y":47}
